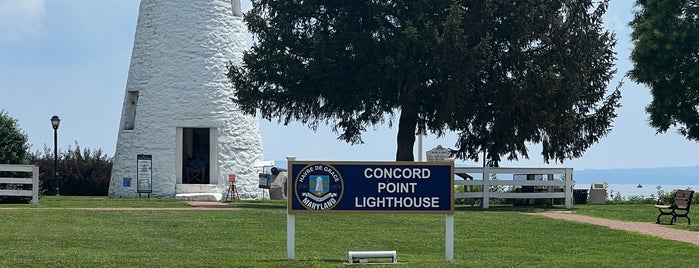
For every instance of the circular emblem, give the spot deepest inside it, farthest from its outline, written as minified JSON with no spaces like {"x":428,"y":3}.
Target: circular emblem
{"x":319,"y":187}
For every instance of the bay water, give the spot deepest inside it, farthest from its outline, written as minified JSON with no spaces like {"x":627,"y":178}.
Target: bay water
{"x":627,"y":190}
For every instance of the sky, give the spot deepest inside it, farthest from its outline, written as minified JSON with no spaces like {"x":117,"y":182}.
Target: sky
{"x":71,"y":58}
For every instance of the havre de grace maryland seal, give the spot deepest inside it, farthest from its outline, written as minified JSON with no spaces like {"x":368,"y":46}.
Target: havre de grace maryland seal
{"x":319,"y":187}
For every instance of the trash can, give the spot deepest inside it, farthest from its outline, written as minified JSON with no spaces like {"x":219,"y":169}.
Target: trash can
{"x":580,"y":196}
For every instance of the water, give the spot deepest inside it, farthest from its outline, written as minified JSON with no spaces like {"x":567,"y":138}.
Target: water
{"x":627,"y":190}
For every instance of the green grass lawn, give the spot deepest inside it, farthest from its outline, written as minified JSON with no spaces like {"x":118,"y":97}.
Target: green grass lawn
{"x":255,"y":236}
{"x":99,"y":202}
{"x":635,"y":213}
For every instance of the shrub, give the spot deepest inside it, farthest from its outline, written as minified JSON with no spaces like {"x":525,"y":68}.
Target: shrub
{"x":80,"y":172}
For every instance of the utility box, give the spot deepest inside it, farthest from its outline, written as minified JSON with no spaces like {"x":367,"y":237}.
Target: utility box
{"x":598,"y":194}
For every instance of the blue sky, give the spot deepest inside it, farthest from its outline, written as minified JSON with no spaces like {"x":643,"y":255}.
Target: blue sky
{"x":71,"y":58}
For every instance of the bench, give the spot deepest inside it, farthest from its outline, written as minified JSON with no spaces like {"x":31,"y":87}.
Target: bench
{"x":679,"y":208}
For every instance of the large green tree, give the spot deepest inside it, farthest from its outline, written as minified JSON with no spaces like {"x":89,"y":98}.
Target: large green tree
{"x":666,"y":59}
{"x":502,"y":74}
{"x":14,"y":145}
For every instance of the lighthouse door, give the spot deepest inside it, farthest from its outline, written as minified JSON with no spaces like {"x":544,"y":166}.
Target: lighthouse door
{"x":196,"y":164}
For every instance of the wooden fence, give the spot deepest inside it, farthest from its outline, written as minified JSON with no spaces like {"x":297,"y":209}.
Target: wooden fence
{"x":34,"y":181}
{"x":542,"y":179}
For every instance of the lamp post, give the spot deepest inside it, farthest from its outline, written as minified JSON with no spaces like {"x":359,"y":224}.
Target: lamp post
{"x":55,"y":121}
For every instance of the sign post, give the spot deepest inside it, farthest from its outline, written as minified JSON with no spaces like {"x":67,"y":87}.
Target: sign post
{"x":438,"y":153}
{"x":144,"y":174}
{"x":290,"y":222}
{"x":370,"y":187}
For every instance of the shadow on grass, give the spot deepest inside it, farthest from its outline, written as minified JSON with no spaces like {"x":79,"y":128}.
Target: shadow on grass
{"x":281,"y":204}
{"x":269,"y":204}
{"x":509,"y":208}
{"x":303,"y":263}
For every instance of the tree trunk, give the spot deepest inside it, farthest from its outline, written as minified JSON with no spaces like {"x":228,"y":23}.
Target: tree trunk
{"x":406,"y":134}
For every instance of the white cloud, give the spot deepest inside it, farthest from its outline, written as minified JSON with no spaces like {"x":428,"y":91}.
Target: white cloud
{"x":21,"y":18}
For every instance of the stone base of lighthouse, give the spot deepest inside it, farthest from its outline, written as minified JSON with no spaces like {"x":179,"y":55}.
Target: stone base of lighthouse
{"x":195,"y":165}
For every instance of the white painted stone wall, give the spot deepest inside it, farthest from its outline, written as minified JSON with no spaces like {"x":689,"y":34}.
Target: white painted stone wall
{"x":178,"y":66}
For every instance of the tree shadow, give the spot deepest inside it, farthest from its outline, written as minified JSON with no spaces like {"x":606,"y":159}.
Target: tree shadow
{"x":510,"y":208}
{"x":273,"y":204}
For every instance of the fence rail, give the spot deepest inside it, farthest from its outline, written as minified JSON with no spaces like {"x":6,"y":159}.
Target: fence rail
{"x":550,"y":183}
{"x":34,"y":181}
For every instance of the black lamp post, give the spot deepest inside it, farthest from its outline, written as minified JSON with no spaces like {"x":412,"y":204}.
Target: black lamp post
{"x":55,"y":121}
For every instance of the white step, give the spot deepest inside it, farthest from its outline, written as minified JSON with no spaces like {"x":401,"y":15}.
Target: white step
{"x":213,"y":197}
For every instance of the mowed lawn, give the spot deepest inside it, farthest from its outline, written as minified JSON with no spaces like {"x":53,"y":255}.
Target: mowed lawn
{"x":56,"y":235}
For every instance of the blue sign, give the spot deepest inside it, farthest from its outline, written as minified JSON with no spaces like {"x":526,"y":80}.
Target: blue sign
{"x":425,"y":187}
{"x":126,"y":182}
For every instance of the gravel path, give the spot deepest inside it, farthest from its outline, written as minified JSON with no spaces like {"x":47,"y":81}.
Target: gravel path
{"x":653,"y":229}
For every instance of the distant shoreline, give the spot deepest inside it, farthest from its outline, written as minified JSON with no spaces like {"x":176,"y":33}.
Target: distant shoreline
{"x":627,"y":190}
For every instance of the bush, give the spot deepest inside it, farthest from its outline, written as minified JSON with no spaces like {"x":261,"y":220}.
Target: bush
{"x":660,"y":196}
{"x":85,"y":172}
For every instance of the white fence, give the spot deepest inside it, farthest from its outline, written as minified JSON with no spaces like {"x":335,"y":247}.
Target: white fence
{"x":34,"y":181}
{"x":549,"y":182}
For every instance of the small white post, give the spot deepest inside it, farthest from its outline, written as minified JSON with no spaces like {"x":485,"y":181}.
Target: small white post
{"x":290,"y":236}
{"x":569,"y":188}
{"x":290,"y":218}
{"x":35,"y":186}
{"x":449,"y":239}
{"x":419,"y":147}
{"x":486,"y":187}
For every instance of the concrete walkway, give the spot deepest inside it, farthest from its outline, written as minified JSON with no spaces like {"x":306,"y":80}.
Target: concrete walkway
{"x":653,"y":229}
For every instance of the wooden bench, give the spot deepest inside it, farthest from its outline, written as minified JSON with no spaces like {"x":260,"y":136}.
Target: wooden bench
{"x":679,"y":208}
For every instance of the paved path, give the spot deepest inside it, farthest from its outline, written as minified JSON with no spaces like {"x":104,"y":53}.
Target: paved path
{"x":653,"y":229}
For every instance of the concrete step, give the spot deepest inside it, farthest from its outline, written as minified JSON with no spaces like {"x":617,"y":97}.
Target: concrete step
{"x":197,"y":188}
{"x":210,"y":197}
{"x":198,"y":192}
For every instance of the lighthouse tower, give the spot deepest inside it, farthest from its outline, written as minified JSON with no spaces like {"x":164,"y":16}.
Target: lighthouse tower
{"x":180,"y":134}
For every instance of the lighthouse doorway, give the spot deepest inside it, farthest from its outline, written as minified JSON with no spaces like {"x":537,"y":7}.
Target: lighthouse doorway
{"x":196,"y":164}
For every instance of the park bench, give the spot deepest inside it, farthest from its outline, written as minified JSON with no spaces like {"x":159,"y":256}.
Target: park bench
{"x":679,"y":208}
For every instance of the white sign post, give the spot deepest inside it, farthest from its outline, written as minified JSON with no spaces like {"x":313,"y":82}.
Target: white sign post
{"x":438,"y":153}
{"x":144,"y":174}
{"x":290,"y":224}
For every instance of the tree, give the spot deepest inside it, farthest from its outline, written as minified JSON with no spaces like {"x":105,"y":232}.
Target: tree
{"x":500,"y":73}
{"x":666,"y":58}
{"x":14,"y":146}
{"x":14,"y":149}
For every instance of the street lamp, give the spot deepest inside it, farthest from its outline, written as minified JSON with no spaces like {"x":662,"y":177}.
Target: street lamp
{"x":55,"y":121}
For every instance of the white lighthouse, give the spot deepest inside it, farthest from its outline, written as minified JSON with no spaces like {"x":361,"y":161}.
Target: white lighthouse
{"x":180,"y":133}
